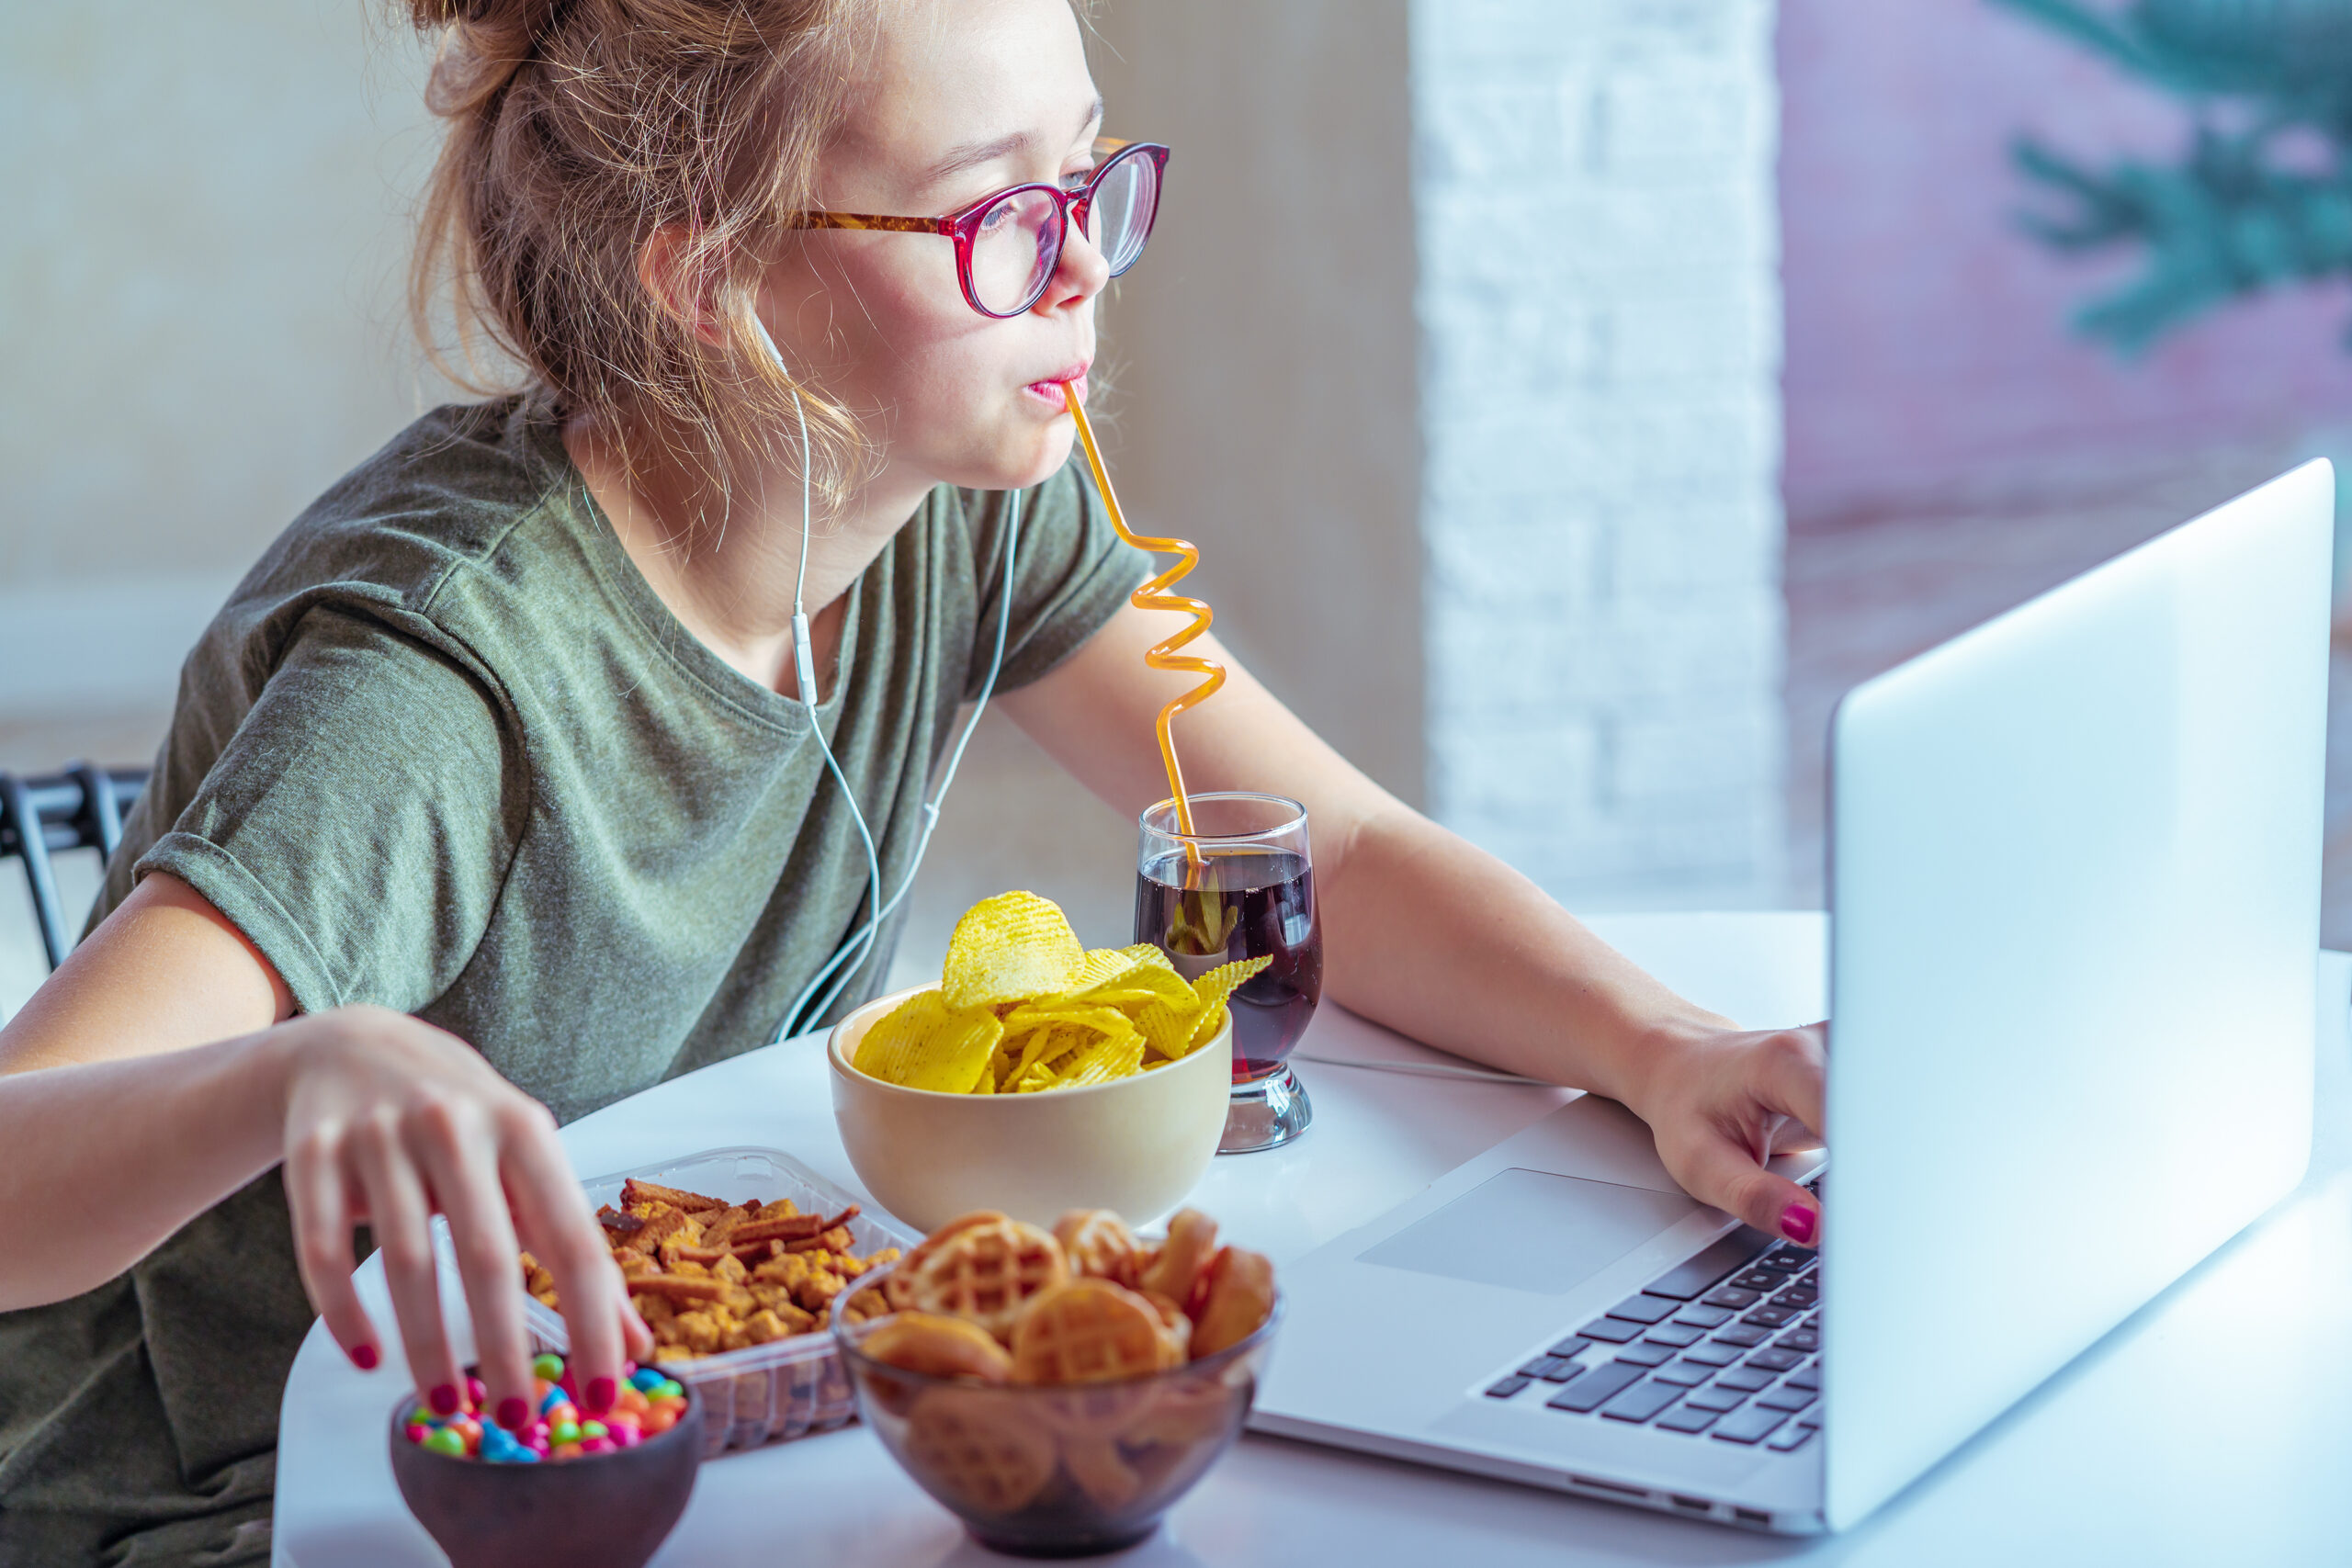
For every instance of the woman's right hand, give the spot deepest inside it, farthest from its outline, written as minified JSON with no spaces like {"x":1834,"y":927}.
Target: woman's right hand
{"x":389,"y":1121}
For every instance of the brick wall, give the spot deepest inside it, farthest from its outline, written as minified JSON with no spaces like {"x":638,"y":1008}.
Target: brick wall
{"x":1599,"y":321}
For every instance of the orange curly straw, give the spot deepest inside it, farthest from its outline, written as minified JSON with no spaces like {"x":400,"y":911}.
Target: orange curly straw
{"x":1154,"y":595}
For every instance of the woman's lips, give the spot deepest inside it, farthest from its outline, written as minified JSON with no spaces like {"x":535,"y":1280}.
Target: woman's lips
{"x":1050,"y":389}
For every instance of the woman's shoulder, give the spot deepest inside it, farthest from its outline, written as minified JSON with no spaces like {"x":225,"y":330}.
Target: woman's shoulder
{"x":451,"y":488}
{"x":454,"y":491}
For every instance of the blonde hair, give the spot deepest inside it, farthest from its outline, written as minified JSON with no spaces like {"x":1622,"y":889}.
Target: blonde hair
{"x":579,"y":128}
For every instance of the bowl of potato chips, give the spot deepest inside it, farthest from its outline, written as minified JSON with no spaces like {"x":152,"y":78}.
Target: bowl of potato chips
{"x":1038,"y":1076}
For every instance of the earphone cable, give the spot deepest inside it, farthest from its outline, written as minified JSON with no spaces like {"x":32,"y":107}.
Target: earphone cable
{"x":805,"y":677}
{"x":860,"y":945}
{"x":930,"y":807}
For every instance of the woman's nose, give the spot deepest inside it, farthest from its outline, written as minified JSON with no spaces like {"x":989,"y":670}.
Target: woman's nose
{"x":1080,"y":273}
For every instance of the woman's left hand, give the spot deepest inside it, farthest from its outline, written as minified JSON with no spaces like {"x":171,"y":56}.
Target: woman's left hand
{"x":1722,"y":1101}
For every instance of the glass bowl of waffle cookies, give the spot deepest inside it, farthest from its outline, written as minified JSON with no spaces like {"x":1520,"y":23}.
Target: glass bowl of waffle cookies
{"x":1059,"y":1391}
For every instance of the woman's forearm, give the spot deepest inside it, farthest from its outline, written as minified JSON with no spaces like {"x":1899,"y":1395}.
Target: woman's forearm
{"x":1438,"y":940}
{"x":101,"y":1161}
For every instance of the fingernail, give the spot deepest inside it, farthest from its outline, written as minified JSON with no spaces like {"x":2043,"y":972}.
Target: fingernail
{"x":445,"y":1400}
{"x":513,"y":1414}
{"x":1797,"y":1223}
{"x":364,"y":1357}
{"x":600,"y":1395}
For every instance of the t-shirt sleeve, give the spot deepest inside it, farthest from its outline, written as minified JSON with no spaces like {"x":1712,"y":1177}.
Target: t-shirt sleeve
{"x":360,"y":823}
{"x":1071,"y":574}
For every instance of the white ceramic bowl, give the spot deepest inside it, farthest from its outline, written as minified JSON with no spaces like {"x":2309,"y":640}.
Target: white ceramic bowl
{"x":1135,"y":1145}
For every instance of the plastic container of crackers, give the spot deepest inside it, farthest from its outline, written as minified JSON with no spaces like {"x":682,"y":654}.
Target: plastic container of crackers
{"x":784,"y":1387}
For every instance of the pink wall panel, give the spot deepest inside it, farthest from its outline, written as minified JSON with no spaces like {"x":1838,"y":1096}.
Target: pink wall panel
{"x":1929,"y":355}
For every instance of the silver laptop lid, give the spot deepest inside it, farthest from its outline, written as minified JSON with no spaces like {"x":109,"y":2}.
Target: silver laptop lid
{"x":2076,"y":898}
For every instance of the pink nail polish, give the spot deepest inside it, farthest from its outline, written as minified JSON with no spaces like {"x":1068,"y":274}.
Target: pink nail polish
{"x":445,"y":1400}
{"x":364,"y":1357}
{"x":1797,"y":1223}
{"x":513,"y":1414}
{"x":600,"y":1395}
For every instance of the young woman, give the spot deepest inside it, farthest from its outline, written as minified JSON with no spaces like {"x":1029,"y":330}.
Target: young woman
{"x":487,"y":800}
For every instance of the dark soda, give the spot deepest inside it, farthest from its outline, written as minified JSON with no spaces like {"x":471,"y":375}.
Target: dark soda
{"x":1245,"y":903}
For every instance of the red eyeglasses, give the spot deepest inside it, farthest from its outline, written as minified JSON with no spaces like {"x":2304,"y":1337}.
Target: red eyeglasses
{"x":1008,"y":243}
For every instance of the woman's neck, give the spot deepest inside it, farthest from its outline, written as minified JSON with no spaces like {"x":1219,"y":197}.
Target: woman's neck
{"x":726,"y":563}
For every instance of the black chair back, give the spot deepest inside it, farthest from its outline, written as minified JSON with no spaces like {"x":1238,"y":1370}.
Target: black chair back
{"x":81,"y":808}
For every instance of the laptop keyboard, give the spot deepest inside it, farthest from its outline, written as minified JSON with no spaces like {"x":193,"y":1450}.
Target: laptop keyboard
{"x":1725,"y":1346}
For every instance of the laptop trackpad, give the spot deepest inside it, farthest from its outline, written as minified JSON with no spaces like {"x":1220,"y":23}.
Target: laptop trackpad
{"x":1529,"y":1230}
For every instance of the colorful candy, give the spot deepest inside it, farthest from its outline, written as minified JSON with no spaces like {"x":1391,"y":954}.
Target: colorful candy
{"x":649,"y":1404}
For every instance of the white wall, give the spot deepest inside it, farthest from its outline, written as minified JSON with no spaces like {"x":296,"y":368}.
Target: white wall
{"x":1262,"y":385}
{"x":207,"y":220}
{"x":1600,"y":318}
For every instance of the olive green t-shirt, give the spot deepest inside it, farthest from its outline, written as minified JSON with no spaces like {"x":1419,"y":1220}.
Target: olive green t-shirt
{"x":445,"y":751}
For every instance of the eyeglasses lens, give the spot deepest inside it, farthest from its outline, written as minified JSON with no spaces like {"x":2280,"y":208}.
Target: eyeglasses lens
{"x":1017,"y":242}
{"x":1120,"y":218}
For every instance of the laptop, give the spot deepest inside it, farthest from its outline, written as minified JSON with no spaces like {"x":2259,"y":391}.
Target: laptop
{"x":2074,"y":886}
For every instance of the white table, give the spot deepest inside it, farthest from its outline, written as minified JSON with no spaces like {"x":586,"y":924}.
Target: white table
{"x":2214,"y":1427}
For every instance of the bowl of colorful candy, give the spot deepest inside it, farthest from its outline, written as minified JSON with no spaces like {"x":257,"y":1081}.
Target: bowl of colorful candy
{"x":1060,"y":1392}
{"x":583,"y":1492}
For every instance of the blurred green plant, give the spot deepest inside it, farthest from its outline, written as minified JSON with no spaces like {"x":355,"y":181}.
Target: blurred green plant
{"x":2263,"y":196}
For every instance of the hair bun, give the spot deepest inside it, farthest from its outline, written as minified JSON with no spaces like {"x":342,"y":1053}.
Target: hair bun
{"x":495,"y":16}
{"x":484,"y":42}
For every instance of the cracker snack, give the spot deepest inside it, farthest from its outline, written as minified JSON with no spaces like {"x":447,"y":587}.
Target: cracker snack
{"x":708,"y":1276}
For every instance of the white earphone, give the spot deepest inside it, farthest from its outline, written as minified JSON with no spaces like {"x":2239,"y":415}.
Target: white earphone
{"x":858,"y":946}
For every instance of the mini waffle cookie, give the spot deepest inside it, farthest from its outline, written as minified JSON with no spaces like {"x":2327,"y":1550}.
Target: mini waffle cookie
{"x":895,"y":1287}
{"x":1191,"y":1241}
{"x":1172,"y":1319}
{"x":1238,"y":1295}
{"x":1100,"y":1472}
{"x":1100,"y":1246}
{"x":973,"y":1442}
{"x":938,"y":1346}
{"x":1188,"y":1411}
{"x":1089,"y":1331}
{"x":985,"y":1271}
{"x":1094,"y":1409}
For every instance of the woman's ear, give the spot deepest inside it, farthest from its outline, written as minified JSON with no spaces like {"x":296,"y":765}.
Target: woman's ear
{"x":680,"y":283}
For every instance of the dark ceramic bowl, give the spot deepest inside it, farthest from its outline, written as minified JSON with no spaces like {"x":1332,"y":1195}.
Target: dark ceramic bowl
{"x":1067,"y":1470}
{"x":608,"y":1510}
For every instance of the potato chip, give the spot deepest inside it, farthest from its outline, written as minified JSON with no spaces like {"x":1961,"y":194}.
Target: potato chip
{"x":1115,"y":1057}
{"x":1037,"y":1046}
{"x":1135,"y":988}
{"x":1007,"y":948}
{"x":1225,"y":979}
{"x":925,"y":1044}
{"x":1079,"y":1045}
{"x":1102,"y":1019}
{"x":1021,"y":1009}
{"x":1099,"y":965}
{"x":1167,"y":1026}
{"x":1178,"y":1032}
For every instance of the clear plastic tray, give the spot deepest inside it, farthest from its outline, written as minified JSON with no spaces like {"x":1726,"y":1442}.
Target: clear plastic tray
{"x":763,"y":1393}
